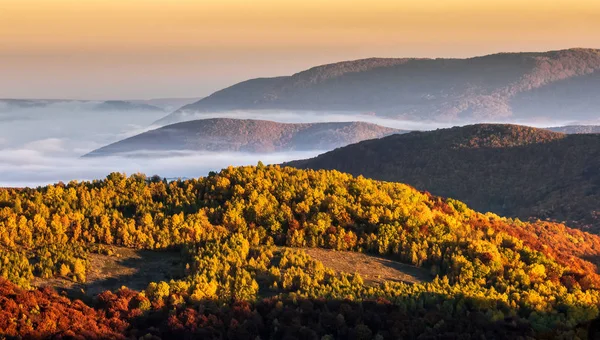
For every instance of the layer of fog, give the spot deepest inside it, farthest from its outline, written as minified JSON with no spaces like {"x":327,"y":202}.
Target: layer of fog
{"x":43,"y":145}
{"x":348,"y":116}
{"x":315,"y":117}
{"x":76,"y":124}
{"x":32,"y":168}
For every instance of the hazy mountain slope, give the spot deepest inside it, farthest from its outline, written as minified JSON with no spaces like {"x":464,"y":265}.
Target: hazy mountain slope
{"x":493,"y":86}
{"x":568,"y":99}
{"x":222,"y":134}
{"x":572,"y":129}
{"x":511,"y":170}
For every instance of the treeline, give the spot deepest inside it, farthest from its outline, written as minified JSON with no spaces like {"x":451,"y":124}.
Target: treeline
{"x":538,"y":278}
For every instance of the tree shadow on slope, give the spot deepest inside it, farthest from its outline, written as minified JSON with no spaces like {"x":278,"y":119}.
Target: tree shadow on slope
{"x":132,"y":268}
{"x":428,"y":316}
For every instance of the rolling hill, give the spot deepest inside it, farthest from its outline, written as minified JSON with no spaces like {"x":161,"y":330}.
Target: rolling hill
{"x":507,"y":169}
{"x":222,"y":134}
{"x":557,"y":84}
{"x":271,"y":252}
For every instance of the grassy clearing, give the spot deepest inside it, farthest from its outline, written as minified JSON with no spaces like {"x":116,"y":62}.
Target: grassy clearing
{"x":373,"y":269}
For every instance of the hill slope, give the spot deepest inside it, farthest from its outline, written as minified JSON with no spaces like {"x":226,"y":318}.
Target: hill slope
{"x":222,"y":134}
{"x":506,"y":85}
{"x":510,"y":170}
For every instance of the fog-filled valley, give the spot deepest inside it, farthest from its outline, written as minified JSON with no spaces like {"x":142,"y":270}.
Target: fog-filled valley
{"x":43,"y":145}
{"x":41,"y":142}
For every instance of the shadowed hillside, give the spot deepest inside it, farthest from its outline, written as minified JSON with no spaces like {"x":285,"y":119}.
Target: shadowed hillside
{"x":510,"y":170}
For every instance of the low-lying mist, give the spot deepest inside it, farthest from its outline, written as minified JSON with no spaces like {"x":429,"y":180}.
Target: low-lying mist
{"x":76,"y":123}
{"x":42,"y":145}
{"x":283,"y":116}
{"x":295,"y":116}
{"x":20,"y":168}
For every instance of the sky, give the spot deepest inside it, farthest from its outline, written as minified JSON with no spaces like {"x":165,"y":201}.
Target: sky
{"x":141,"y":49}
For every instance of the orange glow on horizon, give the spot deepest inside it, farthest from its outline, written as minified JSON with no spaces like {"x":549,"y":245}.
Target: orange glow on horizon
{"x":117,"y":32}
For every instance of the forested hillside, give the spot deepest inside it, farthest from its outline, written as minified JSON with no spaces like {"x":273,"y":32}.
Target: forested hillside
{"x":237,"y":232}
{"x":507,"y":169}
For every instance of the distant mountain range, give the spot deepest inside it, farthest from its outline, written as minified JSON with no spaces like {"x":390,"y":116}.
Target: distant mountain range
{"x":7,"y":105}
{"x":223,"y":134}
{"x":121,"y":105}
{"x":168,"y":104}
{"x":507,"y":169}
{"x":518,"y":86}
{"x":158,"y":104}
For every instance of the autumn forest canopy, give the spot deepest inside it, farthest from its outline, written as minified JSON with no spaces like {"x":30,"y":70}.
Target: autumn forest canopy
{"x":241,"y":235}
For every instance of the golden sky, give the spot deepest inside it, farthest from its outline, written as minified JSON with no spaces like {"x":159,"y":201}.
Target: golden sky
{"x":188,"y":48}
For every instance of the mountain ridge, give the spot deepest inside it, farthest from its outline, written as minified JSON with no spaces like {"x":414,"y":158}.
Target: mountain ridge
{"x":411,"y":88}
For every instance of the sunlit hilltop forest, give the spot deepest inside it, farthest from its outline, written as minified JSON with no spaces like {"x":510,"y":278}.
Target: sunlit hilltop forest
{"x":243,"y":240}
